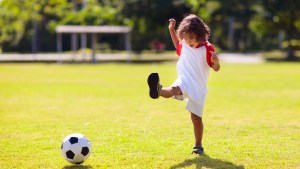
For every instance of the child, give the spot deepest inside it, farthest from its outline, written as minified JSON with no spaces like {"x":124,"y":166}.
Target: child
{"x":196,"y":57}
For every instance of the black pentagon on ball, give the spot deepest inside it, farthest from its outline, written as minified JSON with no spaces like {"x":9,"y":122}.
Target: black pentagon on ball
{"x":70,"y":154}
{"x":73,"y":140}
{"x":85,"y":151}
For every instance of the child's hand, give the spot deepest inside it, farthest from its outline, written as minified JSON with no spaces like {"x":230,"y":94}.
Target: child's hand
{"x":214,"y":57}
{"x":215,"y":60}
{"x":172,"y":23}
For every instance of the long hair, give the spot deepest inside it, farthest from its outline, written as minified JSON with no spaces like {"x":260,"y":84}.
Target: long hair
{"x":193,"y":24}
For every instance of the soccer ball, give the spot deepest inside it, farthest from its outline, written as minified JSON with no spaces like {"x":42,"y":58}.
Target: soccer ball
{"x":75,"y":148}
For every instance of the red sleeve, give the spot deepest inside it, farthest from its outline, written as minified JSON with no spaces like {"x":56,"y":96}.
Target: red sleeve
{"x":178,"y":48}
{"x":209,"y":48}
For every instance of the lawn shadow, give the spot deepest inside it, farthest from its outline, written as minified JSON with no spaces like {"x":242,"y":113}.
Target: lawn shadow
{"x":77,"y":167}
{"x":207,"y":162}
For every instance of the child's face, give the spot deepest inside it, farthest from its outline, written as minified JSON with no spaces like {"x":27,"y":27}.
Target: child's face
{"x":191,"y":40}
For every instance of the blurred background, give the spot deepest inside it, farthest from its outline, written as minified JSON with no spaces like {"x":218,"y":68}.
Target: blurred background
{"x":236,"y":25}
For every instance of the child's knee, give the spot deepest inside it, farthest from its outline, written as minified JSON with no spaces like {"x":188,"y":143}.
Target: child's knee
{"x":176,"y":90}
{"x":196,"y":119}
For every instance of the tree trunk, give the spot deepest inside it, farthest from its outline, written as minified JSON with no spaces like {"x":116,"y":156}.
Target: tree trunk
{"x":291,"y":53}
{"x":290,"y":33}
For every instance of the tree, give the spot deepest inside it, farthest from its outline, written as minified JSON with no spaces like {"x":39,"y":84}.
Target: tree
{"x":279,"y":16}
{"x":228,"y":20}
{"x":150,"y":20}
{"x":23,"y":20}
{"x":13,"y":18}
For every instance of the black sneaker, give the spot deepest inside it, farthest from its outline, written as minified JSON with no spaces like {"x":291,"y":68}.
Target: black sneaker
{"x":154,"y":85}
{"x":198,"y":150}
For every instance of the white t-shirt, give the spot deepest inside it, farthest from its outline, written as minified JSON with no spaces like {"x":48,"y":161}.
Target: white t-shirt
{"x":193,"y":70}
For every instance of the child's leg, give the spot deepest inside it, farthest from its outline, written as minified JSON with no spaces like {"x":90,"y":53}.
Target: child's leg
{"x":171,"y":91}
{"x":198,"y":129}
{"x":156,"y":90}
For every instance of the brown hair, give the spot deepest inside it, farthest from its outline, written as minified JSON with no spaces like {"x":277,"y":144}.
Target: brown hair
{"x":193,"y":24}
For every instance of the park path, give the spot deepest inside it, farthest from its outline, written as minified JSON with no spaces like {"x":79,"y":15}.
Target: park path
{"x":249,"y":58}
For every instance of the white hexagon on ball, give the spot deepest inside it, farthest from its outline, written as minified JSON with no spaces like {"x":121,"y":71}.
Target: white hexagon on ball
{"x":76,"y":148}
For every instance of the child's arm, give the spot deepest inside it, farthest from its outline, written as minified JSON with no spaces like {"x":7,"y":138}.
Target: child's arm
{"x":172,"y":32}
{"x":216,"y":65}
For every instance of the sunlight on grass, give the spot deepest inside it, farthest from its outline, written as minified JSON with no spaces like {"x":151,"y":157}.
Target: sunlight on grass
{"x":251,"y":117}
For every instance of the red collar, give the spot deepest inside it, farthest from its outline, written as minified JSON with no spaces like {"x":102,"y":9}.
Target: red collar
{"x":202,"y":44}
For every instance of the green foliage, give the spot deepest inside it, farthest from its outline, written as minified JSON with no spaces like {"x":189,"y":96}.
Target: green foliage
{"x":261,"y":26}
{"x":253,"y":22}
{"x":276,"y":16}
{"x":13,"y":19}
{"x":18,"y":16}
{"x":92,"y":14}
{"x":200,"y":8}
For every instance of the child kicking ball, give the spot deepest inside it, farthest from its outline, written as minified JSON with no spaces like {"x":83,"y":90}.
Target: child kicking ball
{"x":196,"y":58}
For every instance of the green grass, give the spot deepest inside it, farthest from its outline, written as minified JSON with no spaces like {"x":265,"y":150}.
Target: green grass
{"x":251,"y":118}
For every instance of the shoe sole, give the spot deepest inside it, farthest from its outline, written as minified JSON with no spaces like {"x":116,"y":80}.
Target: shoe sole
{"x":153,"y":82}
{"x":198,"y":151}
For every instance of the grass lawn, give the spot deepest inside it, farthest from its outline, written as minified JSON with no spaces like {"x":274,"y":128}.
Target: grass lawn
{"x":251,"y":118}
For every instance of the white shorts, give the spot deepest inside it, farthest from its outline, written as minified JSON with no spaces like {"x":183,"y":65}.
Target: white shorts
{"x":191,"y":105}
